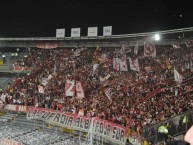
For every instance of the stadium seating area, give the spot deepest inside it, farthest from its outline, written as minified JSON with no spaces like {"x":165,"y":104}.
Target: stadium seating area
{"x":136,"y":99}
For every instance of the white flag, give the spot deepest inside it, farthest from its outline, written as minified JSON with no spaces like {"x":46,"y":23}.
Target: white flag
{"x":105,"y":78}
{"x":77,"y":52}
{"x":134,"y":64}
{"x":136,"y":48}
{"x":70,"y":88}
{"x":79,"y":90}
{"x":177,"y":76}
{"x":108,"y":93}
{"x":95,"y":66}
{"x":149,"y":49}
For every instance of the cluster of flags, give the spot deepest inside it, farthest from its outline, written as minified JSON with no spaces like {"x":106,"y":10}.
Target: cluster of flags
{"x":72,"y":88}
{"x":121,"y":63}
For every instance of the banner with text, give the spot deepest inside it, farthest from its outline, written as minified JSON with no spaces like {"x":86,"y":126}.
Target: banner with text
{"x":92,"y":31}
{"x":60,"y":33}
{"x":75,"y":32}
{"x":5,"y":141}
{"x":16,"y":108}
{"x":107,"y":30}
{"x":111,"y":131}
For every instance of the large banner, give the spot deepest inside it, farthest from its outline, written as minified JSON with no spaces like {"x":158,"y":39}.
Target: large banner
{"x":16,"y":108}
{"x":111,"y":131}
{"x":47,"y":45}
{"x":5,"y":141}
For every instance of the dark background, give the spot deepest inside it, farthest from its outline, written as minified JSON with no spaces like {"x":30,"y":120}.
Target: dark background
{"x":41,"y":18}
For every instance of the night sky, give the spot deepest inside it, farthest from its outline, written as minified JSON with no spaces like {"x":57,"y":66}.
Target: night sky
{"x":41,"y":18}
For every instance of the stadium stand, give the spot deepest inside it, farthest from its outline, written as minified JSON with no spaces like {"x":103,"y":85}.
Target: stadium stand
{"x":140,"y":88}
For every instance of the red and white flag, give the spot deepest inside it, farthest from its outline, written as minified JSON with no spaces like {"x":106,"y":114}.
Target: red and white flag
{"x":189,"y":43}
{"x":116,"y":63}
{"x":136,"y":48}
{"x":123,"y":63}
{"x":123,"y":47}
{"x":149,"y":49}
{"x":177,"y":76}
{"x":79,"y":90}
{"x":40,"y":89}
{"x":176,"y":46}
{"x":81,"y":112}
{"x":70,"y":88}
{"x":134,"y":64}
{"x":108,"y":93}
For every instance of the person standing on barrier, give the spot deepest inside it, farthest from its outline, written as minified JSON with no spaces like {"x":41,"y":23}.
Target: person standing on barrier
{"x":163,"y":129}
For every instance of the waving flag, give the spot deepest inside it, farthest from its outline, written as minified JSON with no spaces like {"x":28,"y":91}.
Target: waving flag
{"x":70,"y":88}
{"x":116,"y":63}
{"x":136,"y":48}
{"x":176,"y":46}
{"x":108,"y":93}
{"x":79,"y":90}
{"x":177,"y":76}
{"x":149,"y":49}
{"x":40,"y":89}
{"x":134,"y":64}
{"x":123,"y":63}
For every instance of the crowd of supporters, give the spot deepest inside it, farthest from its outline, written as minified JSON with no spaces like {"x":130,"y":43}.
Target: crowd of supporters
{"x":132,"y":103}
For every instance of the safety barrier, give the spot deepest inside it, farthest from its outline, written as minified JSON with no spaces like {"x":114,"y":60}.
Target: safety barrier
{"x":176,"y":126}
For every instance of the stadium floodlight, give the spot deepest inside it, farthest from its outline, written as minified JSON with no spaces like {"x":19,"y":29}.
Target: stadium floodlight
{"x":3,"y":56}
{"x":157,"y":37}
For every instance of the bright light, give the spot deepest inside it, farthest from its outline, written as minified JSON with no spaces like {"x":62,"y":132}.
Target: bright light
{"x":3,"y":56}
{"x":25,"y":56}
{"x":157,"y":37}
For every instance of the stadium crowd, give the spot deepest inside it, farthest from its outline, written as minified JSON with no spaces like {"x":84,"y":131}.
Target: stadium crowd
{"x":132,"y":102}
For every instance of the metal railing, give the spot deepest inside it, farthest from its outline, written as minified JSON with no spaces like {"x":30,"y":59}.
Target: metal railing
{"x":176,"y":126}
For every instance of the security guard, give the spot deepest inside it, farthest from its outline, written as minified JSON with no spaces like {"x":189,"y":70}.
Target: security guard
{"x":163,"y":129}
